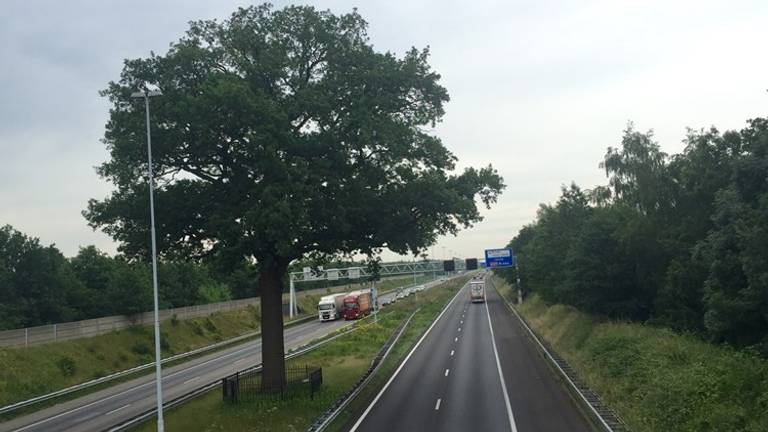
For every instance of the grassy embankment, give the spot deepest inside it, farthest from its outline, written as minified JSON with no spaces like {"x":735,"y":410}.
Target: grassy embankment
{"x":656,"y":379}
{"x":37,"y":370}
{"x":343,"y":361}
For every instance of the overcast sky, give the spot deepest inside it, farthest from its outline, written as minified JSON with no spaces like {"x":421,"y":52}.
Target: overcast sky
{"x":538,"y":88}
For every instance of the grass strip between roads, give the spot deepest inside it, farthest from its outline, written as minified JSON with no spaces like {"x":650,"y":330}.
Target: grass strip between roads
{"x":655,"y":378}
{"x":29,"y":372}
{"x":343,"y":361}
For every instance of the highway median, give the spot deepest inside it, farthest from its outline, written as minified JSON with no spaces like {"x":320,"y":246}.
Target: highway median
{"x":343,"y":360}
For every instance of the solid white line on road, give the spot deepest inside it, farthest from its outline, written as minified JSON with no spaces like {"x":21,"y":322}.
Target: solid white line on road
{"x":512,"y":424}
{"x":116,"y":410}
{"x":437,"y":405}
{"x":451,"y":353}
{"x":191,"y":379}
{"x":446,"y":372}
{"x":394,"y":375}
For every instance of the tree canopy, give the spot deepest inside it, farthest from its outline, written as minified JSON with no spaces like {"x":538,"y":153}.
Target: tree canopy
{"x":679,"y":240}
{"x":282,"y":133}
{"x":38,"y":285}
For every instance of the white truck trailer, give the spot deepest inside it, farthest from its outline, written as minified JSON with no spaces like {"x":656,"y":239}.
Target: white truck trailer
{"x":477,"y":290}
{"x":330,"y":307}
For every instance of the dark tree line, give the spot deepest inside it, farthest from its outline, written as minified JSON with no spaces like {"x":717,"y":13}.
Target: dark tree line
{"x":38,"y":285}
{"x":678,"y":240}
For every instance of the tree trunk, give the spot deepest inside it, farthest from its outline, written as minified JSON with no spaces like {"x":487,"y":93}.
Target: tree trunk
{"x":272,"y":347}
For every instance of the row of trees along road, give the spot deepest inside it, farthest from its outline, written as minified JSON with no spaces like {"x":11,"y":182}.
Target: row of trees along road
{"x":283,"y":134}
{"x":679,"y":240}
{"x":38,"y":285}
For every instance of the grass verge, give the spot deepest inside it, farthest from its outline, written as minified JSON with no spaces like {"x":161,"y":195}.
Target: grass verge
{"x":29,"y":372}
{"x":656,"y":379}
{"x":343,"y":361}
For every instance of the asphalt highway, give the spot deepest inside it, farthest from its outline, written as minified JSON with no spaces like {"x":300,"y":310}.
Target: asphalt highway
{"x":474,"y":370}
{"x":103,"y":409}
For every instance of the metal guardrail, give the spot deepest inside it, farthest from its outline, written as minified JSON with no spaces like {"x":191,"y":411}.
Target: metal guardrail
{"x":329,"y":415}
{"x":606,"y":416}
{"x":82,"y":386}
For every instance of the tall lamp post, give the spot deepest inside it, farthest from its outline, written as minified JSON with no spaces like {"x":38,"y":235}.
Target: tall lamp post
{"x":146,"y":94}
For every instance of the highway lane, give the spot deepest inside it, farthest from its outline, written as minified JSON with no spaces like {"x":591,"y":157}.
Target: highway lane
{"x":537,"y":395}
{"x":103,"y":409}
{"x":100,"y":410}
{"x":468,"y":374}
{"x":450,"y":382}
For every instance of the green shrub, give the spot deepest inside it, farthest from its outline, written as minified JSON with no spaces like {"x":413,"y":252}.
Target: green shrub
{"x":164,"y":344}
{"x":141,"y":348}
{"x":210,"y":325}
{"x":197,"y":328}
{"x":66,"y":366}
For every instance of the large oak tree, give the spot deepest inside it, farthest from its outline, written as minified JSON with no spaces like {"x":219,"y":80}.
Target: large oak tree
{"x":283,"y":133}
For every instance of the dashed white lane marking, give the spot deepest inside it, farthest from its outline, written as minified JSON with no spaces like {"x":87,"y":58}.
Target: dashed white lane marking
{"x":451,"y":353}
{"x":447,"y":371}
{"x":459,"y":328}
{"x":118,"y":409}
{"x":437,"y":405}
{"x":397,"y":371}
{"x":455,"y":339}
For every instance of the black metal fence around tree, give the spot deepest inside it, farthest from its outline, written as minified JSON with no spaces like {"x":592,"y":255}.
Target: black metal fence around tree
{"x":249,"y":386}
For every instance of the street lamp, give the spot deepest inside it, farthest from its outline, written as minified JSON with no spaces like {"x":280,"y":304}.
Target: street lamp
{"x":146,"y":94}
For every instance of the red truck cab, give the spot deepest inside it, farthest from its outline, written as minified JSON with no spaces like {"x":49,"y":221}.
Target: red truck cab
{"x":357,"y":304}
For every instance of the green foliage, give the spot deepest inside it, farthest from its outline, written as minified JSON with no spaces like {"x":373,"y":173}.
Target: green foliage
{"x":39,"y":286}
{"x":141,"y":348}
{"x":285,"y":103}
{"x":212,"y":292}
{"x":656,"y":379}
{"x":282,"y":134}
{"x":66,"y":365}
{"x":677,"y":240}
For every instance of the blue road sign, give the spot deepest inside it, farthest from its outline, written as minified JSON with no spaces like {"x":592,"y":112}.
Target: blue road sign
{"x":495,"y":258}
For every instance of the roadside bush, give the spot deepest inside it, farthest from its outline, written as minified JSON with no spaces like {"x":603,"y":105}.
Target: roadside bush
{"x":141,"y":348}
{"x":66,"y":366}
{"x":210,"y":325}
{"x":174,"y":320}
{"x":197,"y":328}
{"x":164,"y":344}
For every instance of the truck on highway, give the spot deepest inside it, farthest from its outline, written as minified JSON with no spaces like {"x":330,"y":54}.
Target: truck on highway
{"x":477,"y":290}
{"x":330,"y":307}
{"x":358,"y":304}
